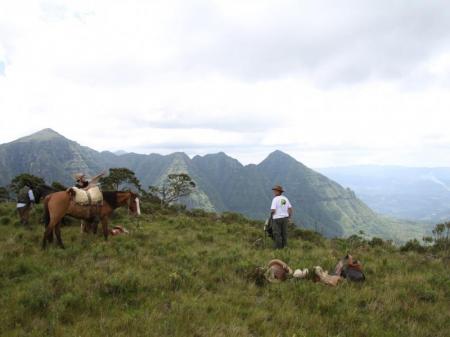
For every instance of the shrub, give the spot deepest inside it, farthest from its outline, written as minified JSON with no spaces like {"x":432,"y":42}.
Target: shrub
{"x":231,"y":217}
{"x":307,"y":235}
{"x":356,"y":241}
{"x":413,"y":245}
{"x":197,"y":213}
{"x":376,"y":242}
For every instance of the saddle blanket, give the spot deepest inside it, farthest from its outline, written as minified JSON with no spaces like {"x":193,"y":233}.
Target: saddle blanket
{"x":92,"y":196}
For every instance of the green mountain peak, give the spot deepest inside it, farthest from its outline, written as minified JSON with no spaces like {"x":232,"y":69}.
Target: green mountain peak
{"x":42,"y":135}
{"x":278,"y":155}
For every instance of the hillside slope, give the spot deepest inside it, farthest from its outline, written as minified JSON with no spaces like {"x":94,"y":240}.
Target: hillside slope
{"x":189,"y":275}
{"x":223,"y":184}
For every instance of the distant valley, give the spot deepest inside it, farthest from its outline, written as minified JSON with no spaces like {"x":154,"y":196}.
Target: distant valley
{"x":418,"y":194}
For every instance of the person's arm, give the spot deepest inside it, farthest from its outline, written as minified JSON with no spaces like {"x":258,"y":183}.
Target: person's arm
{"x":290,"y":210}
{"x":354,"y":264}
{"x":31,"y":196}
{"x":273,"y":207}
{"x":96,"y":178}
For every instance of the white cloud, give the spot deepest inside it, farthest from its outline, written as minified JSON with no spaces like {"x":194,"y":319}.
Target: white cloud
{"x":362,"y":82}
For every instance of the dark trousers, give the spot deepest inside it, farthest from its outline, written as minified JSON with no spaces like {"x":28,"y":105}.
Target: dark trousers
{"x":279,"y":227}
{"x":24,"y":214}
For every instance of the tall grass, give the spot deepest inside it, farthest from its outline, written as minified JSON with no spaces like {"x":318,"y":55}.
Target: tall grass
{"x":186,"y":274}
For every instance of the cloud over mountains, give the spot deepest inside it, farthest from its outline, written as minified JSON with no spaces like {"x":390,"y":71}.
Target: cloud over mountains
{"x":333,"y":82}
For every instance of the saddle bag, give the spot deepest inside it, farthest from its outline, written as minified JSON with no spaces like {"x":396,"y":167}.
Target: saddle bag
{"x":92,"y":196}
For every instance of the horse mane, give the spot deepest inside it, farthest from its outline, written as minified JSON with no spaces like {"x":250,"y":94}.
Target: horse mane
{"x":111,"y":198}
{"x":46,"y":188}
{"x":42,"y":191}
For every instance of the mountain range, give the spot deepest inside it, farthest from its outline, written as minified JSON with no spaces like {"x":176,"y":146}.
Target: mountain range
{"x":415,"y":193}
{"x":223,"y":183}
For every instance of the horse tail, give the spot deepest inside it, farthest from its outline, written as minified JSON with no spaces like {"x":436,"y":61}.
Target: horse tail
{"x":46,"y":217}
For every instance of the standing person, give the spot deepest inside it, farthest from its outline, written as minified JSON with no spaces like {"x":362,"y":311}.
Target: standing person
{"x":25,"y":202}
{"x":281,"y":211}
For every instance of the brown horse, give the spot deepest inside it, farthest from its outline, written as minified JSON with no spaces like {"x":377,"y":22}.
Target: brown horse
{"x":59,"y":204}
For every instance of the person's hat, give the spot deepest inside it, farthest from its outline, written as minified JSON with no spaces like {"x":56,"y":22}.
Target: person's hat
{"x":277,"y":271}
{"x":278,"y":188}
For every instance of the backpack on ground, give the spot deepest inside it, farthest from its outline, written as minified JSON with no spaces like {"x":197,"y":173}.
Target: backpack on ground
{"x":353,"y":274}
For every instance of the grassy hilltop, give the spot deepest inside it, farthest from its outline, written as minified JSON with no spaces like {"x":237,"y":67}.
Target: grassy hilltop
{"x":187,"y":274}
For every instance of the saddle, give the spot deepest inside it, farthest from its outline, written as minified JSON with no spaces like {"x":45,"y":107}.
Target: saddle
{"x":92,"y":197}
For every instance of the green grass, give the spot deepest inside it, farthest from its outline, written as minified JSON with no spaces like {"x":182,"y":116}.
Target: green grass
{"x":188,"y":275}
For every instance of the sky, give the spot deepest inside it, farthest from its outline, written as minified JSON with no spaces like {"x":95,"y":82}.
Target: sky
{"x":332,"y":83}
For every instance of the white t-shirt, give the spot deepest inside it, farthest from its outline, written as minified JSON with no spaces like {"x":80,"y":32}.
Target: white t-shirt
{"x":281,"y":205}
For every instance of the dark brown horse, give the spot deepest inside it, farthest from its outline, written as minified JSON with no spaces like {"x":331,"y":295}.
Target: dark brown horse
{"x":59,"y":204}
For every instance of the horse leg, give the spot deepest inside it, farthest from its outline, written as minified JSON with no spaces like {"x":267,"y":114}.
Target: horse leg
{"x":58,"y":235}
{"x":55,"y":207}
{"x":94,"y":226}
{"x":105,"y":227}
{"x":85,"y":226}
{"x":50,"y":237}
{"x":48,"y":233}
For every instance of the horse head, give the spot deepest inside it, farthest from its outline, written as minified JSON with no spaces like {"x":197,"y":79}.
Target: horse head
{"x":133,"y":202}
{"x":41,"y":191}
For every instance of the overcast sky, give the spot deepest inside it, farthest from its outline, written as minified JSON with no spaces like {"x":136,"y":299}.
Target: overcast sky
{"x":330,"y":82}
